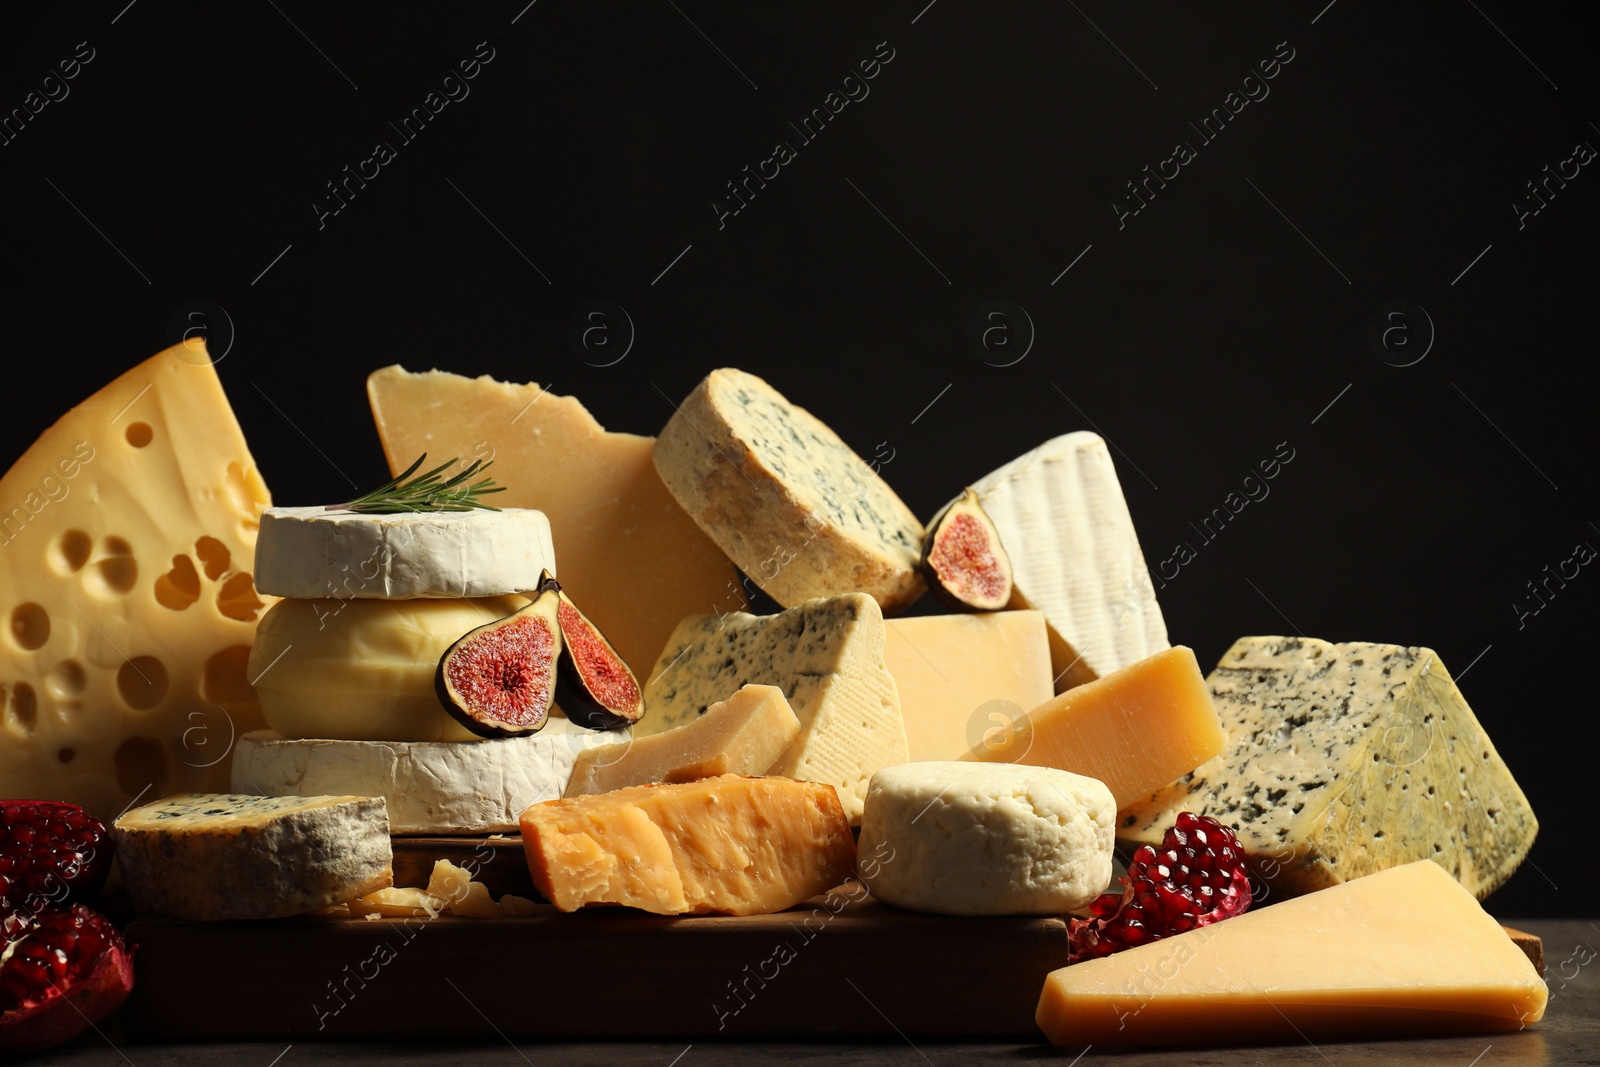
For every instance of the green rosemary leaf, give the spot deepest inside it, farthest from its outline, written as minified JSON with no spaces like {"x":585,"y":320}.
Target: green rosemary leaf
{"x":412,"y":492}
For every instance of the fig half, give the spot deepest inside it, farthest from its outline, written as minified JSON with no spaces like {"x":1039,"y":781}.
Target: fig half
{"x":594,"y":687}
{"x":966,"y":565}
{"x":499,"y":680}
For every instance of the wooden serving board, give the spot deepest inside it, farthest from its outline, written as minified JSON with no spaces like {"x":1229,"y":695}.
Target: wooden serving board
{"x":839,"y":966}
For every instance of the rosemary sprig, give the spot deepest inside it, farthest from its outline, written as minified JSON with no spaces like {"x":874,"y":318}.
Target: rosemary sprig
{"x":427,"y":492}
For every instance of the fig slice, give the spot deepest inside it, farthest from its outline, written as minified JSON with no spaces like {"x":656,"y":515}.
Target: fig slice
{"x":966,"y":565}
{"x":499,"y":680}
{"x":594,"y":686}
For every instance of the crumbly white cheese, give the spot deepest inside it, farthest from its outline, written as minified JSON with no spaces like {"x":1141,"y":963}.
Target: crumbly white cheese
{"x":986,"y":838}
{"x":313,"y":552}
{"x":789,"y":502}
{"x":1063,"y":520}
{"x":827,"y":657}
{"x":205,"y":856}
{"x":1346,"y":759}
{"x":432,"y":787}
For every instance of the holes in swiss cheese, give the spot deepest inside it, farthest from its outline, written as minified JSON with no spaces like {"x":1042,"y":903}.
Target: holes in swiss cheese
{"x":214,"y":556}
{"x":22,"y":706}
{"x":139,"y":434}
{"x":225,"y":680}
{"x":179,"y":587}
{"x":72,"y":551}
{"x":118,"y":569}
{"x":142,"y":682}
{"x":237,"y":598}
{"x":67,"y":680}
{"x":30,"y":626}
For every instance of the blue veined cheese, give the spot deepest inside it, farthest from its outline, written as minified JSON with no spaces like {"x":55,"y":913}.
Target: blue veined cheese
{"x":827,"y":657}
{"x":789,"y":502}
{"x":1346,"y":759}
{"x":205,"y":856}
{"x":1075,"y":556}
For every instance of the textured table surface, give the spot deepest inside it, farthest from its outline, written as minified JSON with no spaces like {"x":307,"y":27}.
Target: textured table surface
{"x":1569,"y":1034}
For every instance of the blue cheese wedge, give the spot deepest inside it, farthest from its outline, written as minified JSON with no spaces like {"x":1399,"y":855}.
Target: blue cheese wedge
{"x":827,"y":657}
{"x":1346,"y":759}
{"x":205,"y":856}
{"x":789,"y":502}
{"x":1075,"y":556}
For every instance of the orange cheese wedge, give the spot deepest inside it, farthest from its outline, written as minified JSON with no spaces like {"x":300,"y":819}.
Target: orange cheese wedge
{"x":728,"y":845}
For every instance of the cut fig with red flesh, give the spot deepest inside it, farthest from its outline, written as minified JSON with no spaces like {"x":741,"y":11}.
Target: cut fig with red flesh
{"x":66,"y":974}
{"x":594,"y":687}
{"x":966,"y":565}
{"x":499,"y":680}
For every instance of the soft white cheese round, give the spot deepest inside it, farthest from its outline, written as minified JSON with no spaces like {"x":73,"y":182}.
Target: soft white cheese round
{"x":470,"y":787}
{"x":314,"y":552}
{"x":986,"y":838}
{"x":362,"y":670}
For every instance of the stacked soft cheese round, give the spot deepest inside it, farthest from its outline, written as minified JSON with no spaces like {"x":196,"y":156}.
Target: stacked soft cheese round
{"x":345,"y":665}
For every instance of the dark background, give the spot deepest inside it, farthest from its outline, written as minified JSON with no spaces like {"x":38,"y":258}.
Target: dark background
{"x":1196,"y":337}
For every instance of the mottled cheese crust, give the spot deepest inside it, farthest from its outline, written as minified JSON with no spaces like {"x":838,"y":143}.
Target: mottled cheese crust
{"x":205,"y":856}
{"x":789,"y":502}
{"x":728,"y":845}
{"x":987,"y":838}
{"x":1345,"y":759}
{"x":1065,"y":523}
{"x":827,"y":657}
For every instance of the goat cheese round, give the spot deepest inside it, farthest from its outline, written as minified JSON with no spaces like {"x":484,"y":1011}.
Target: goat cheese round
{"x":313,"y":552}
{"x":961,"y":838}
{"x":431,"y":787}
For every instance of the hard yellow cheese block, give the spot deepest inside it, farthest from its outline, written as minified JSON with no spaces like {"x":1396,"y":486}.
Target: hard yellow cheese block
{"x":127,"y":538}
{"x":955,"y":672}
{"x":629,"y":554}
{"x":1136,"y":729}
{"x":744,"y":734}
{"x":729,"y":845}
{"x":1404,"y":951}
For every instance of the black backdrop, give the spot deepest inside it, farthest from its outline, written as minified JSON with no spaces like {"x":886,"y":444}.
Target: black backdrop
{"x":1375,"y":177}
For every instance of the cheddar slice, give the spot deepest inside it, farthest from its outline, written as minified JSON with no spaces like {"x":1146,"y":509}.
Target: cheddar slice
{"x":1404,"y":951}
{"x":728,"y":845}
{"x":1136,"y":729}
{"x":629,"y":554}
{"x":955,"y":671}
{"x":744,"y":734}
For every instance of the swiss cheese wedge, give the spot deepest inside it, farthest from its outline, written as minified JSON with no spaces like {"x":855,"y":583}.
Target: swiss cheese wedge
{"x":127,"y":540}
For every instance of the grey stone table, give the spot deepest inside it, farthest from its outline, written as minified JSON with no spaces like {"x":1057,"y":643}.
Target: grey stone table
{"x":1569,"y":1034}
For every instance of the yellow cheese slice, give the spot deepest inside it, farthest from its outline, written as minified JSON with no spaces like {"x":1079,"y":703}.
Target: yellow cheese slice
{"x":630,"y":556}
{"x":1403,"y":951}
{"x":1136,"y":729}
{"x":127,"y":537}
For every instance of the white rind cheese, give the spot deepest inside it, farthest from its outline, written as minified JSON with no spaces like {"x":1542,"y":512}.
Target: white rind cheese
{"x":313,"y":552}
{"x":785,"y":498}
{"x":1063,"y":520}
{"x":207,"y":856}
{"x":440,"y":787}
{"x":987,"y":838}
{"x":827,"y":657}
{"x":1346,"y":759}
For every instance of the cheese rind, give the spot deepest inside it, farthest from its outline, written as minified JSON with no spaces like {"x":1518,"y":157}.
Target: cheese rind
{"x":789,"y":502}
{"x":316,"y":553}
{"x":827,"y":657}
{"x":206,"y":856}
{"x":728,"y":845}
{"x":126,"y":537}
{"x":1404,"y":951}
{"x":954,"y":671}
{"x":744,"y":734}
{"x":431,"y":787}
{"x":987,"y":838}
{"x":1345,"y":759}
{"x":1136,"y":729}
{"x":1065,"y":523}
{"x":629,"y":555}
{"x":363,"y":670}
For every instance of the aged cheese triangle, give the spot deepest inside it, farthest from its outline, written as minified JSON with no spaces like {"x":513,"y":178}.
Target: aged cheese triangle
{"x":127,"y":537}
